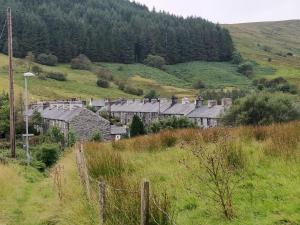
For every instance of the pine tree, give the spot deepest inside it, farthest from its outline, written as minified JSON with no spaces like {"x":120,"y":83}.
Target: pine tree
{"x":137,"y":127}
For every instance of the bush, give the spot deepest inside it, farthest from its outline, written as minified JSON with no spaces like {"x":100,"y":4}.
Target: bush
{"x":72,"y":138}
{"x":104,"y":74}
{"x":277,"y":84}
{"x":198,"y":85}
{"x":47,"y":154}
{"x":37,"y":70}
{"x":49,"y":60}
{"x":219,"y":94}
{"x":57,"y":76}
{"x":137,"y":127}
{"x":246,"y":69}
{"x":155,"y":61}
{"x":81,"y":62}
{"x":103,"y":83}
{"x":171,"y":123}
{"x":262,"y":109}
{"x":97,"y":136}
{"x":56,"y":136}
{"x":151,"y":95}
{"x":129,"y":89}
{"x":237,"y":58}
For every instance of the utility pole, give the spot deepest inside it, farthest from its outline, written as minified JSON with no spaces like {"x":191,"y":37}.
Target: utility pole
{"x":12,"y":135}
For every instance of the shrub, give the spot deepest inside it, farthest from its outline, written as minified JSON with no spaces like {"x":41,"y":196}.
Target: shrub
{"x":246,"y":69}
{"x":57,"y":76}
{"x":219,"y":94}
{"x":151,"y":95}
{"x":103,"y":83}
{"x":104,"y":74}
{"x":276,"y":84}
{"x":47,"y":154}
{"x":96,"y":136}
{"x":155,"y":61}
{"x":171,"y":123}
{"x":267,"y":48}
{"x":56,"y":136}
{"x":37,"y":70}
{"x":133,"y":91}
{"x":237,"y":58}
{"x":137,"y":127}
{"x":49,"y":60}
{"x":199,"y":85}
{"x":71,"y":138}
{"x":261,"y":109}
{"x":81,"y":62}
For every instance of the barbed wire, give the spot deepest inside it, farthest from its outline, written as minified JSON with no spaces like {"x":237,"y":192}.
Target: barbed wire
{"x":112,"y":204}
{"x":160,"y":209}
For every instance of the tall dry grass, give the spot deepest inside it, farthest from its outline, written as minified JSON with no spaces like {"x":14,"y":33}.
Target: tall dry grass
{"x":105,"y":160}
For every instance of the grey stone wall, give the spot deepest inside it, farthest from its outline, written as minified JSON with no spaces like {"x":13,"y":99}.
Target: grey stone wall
{"x":86,"y":123}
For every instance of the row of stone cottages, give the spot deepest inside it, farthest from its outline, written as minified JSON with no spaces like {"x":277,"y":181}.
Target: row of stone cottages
{"x":73,"y":115}
{"x":204,"y":115}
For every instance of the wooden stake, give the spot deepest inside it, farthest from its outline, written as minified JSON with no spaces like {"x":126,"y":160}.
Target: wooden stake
{"x":145,"y":196}
{"x":12,"y":135}
{"x":102,"y":201}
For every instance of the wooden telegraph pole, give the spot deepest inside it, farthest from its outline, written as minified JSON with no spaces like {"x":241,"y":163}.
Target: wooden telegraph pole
{"x":12,"y":135}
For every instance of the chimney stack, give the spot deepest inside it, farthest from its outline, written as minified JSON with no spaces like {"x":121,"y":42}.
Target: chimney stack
{"x":226,"y":102}
{"x":199,"y":102}
{"x":174,"y":100}
{"x":212,"y":103}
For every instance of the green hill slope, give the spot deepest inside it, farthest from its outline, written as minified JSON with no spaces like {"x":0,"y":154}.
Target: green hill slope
{"x":174,"y":80}
{"x":275,"y":41}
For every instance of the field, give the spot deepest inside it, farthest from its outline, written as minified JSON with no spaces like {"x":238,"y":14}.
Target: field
{"x":261,"y":162}
{"x":28,"y":197}
{"x":261,"y":41}
{"x":266,"y":170}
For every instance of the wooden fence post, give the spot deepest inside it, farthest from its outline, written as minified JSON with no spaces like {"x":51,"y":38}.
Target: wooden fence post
{"x":102,"y":201}
{"x":145,"y":196}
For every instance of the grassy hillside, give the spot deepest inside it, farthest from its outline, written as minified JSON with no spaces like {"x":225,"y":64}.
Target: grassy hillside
{"x":215,"y":74}
{"x":30,"y":197}
{"x":174,"y":80}
{"x":264,"y":165}
{"x":261,"y":41}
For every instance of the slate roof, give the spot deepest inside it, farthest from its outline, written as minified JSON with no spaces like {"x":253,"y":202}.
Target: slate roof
{"x":206,"y":112}
{"x":115,"y":130}
{"x":140,"y":107}
{"x":98,"y":103}
{"x":180,"y":109}
{"x":61,"y":114}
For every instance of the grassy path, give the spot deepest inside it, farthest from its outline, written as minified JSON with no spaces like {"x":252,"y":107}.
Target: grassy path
{"x":31,"y":198}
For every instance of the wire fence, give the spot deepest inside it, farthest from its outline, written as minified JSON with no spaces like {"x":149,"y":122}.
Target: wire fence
{"x":133,"y":204}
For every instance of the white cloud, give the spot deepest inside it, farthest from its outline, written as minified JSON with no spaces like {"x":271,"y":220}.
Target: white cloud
{"x":230,"y":11}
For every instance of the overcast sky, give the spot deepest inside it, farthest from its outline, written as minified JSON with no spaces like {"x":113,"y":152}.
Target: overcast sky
{"x":230,"y":11}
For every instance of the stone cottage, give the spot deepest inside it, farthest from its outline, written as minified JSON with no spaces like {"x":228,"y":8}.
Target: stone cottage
{"x":178,"y":109}
{"x":83,"y":122}
{"x":145,"y":109}
{"x":209,"y":115}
